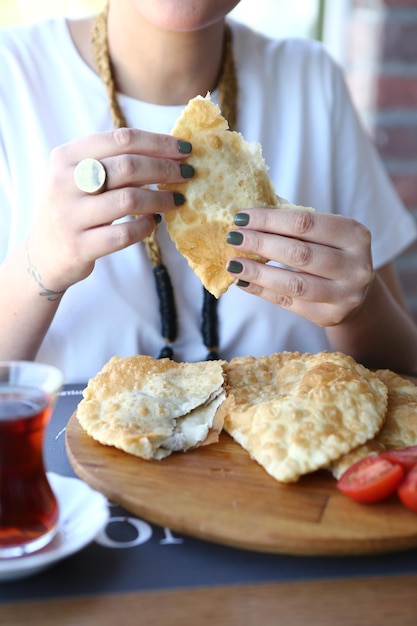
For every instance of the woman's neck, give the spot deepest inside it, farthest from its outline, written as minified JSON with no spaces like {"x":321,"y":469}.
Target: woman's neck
{"x":155,"y":65}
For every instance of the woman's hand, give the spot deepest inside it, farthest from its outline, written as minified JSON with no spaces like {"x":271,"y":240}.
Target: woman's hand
{"x":73,"y":228}
{"x":327,"y":257}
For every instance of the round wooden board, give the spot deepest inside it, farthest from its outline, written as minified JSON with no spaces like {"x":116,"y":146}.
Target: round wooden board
{"x":217,"y":493}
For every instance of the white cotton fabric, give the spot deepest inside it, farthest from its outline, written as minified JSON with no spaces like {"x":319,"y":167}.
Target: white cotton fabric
{"x":292,"y":99}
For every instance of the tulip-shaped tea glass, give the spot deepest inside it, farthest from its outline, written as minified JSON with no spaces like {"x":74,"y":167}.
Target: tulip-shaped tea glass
{"x":28,"y":506}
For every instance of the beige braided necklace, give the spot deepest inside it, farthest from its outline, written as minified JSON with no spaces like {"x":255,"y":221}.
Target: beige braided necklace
{"x":228,"y":96}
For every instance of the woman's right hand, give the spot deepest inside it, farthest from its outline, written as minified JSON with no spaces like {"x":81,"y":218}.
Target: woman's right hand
{"x":74,"y":228}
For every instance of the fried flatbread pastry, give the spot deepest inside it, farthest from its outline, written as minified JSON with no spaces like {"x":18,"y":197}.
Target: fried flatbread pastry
{"x":294,"y":413}
{"x":231,"y":175}
{"x":151,"y":408}
{"x":399,"y":429}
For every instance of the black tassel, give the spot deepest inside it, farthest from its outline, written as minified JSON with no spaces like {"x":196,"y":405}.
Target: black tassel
{"x":209,"y":325}
{"x":167,"y":309}
{"x":168,"y":315}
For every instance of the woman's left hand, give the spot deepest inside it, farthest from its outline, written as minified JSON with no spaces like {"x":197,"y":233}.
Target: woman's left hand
{"x":327,"y":258}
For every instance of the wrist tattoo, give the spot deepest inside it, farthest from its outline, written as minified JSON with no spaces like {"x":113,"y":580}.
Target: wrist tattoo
{"x":49,"y":294}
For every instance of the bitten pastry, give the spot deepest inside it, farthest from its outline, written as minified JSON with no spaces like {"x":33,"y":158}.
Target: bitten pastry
{"x":295,"y":413}
{"x":151,"y":408}
{"x":231,"y":175}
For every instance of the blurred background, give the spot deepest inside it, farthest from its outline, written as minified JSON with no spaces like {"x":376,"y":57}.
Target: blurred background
{"x":271,"y":16}
{"x":375,"y":42}
{"x":320,"y":19}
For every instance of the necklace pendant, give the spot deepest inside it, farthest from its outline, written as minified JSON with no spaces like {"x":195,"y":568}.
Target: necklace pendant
{"x":166,"y":353}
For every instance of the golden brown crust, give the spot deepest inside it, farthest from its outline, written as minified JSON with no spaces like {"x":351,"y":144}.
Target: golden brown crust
{"x":399,"y":429}
{"x":230,"y":175}
{"x":400,"y":426}
{"x":294,"y":413}
{"x":150,"y":407}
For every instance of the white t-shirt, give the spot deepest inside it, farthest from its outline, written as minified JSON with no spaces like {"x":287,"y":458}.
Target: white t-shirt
{"x":292,"y":99}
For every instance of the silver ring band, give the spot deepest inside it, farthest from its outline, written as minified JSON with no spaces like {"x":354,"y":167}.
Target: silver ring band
{"x":90,"y":176}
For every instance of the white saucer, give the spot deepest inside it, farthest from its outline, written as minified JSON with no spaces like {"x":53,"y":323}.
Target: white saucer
{"x":83,"y":514}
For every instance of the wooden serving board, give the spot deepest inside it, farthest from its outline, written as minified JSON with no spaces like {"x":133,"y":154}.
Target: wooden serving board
{"x":217,"y":493}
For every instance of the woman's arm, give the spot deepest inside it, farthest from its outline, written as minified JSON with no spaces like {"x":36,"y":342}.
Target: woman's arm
{"x":382,"y":333}
{"x":328,"y":278}
{"x":73,"y":229}
{"x":26,"y":310}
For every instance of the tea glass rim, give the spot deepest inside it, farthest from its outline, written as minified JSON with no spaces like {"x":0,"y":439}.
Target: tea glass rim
{"x":45,"y":376}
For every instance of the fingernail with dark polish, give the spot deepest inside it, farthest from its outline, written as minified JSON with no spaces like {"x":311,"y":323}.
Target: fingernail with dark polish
{"x":241,"y":219}
{"x":157,"y":218}
{"x":179,"y":198}
{"x":242,"y":283}
{"x":234,"y":238}
{"x":184,"y":147}
{"x":234,"y":267}
{"x":187,"y":170}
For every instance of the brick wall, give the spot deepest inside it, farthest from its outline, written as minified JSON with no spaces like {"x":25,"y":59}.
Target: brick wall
{"x":381,"y":65}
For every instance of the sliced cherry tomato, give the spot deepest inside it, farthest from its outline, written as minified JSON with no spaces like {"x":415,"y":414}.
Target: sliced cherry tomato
{"x":371,"y":479}
{"x":406,"y":457}
{"x":407,"y":491}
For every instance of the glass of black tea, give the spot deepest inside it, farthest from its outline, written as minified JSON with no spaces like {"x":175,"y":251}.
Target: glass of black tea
{"x":28,"y":506}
